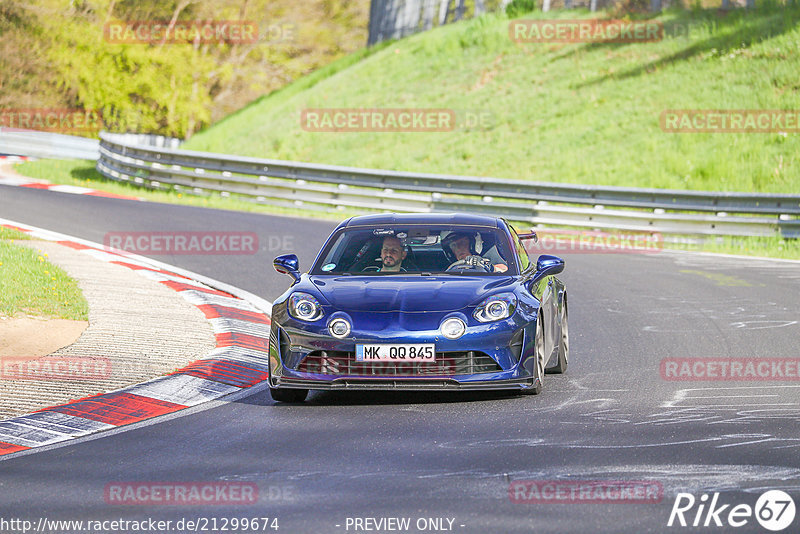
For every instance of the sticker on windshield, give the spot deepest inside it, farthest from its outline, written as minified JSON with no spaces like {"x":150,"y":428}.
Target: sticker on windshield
{"x":328,"y":267}
{"x":383,"y":231}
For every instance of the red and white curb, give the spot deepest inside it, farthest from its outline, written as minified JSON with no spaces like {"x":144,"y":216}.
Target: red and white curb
{"x":241,"y":325}
{"x":14,"y":159}
{"x":30,"y":183}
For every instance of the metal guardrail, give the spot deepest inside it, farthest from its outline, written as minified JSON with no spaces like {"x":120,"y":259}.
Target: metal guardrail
{"x":47,"y":145}
{"x":152,"y":140}
{"x":331,"y":188}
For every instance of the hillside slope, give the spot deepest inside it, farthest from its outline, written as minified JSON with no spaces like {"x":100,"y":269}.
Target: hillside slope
{"x":581,"y":112}
{"x":60,"y":55}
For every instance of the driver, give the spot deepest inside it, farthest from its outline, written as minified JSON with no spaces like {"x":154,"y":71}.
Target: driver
{"x":460,"y":246}
{"x":392,"y":254}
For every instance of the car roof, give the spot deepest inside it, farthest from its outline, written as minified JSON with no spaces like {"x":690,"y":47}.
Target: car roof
{"x":465,"y":219}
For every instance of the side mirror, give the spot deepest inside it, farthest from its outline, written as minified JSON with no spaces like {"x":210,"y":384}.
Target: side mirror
{"x":288,"y":264}
{"x":531,"y":235}
{"x":548,"y":265}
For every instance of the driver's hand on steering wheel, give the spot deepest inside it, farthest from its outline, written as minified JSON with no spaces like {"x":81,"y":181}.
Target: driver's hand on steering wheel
{"x":472,"y":261}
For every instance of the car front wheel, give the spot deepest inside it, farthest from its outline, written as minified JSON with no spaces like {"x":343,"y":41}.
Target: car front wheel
{"x":563,"y":345}
{"x":538,"y":371}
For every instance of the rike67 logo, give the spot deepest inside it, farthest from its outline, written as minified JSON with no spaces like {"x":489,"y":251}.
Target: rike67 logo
{"x":774,"y":510}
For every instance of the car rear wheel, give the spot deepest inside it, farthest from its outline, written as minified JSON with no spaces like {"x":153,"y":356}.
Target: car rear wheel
{"x":538,"y":372}
{"x":288,"y":395}
{"x":563,"y":345}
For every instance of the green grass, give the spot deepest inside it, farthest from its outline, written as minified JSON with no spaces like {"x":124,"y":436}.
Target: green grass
{"x":768,"y":247}
{"x":577,"y":113}
{"x":34,"y":286}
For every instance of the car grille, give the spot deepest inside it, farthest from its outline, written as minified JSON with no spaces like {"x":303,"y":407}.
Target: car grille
{"x":446,"y":364}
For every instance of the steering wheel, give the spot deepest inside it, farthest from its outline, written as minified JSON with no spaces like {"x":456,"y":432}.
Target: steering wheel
{"x":471,"y":262}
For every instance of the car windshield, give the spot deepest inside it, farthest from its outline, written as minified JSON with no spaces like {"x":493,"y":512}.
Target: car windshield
{"x":417,"y":249}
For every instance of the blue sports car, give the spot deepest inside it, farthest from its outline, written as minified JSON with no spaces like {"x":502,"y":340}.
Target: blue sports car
{"x":419,"y":301}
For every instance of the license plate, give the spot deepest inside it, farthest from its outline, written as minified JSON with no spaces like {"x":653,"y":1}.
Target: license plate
{"x":396,"y":353}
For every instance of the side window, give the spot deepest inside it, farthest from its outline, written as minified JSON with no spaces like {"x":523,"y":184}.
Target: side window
{"x":524,"y":259}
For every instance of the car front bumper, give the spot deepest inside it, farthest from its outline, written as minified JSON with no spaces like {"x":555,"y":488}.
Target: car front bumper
{"x":488,"y":356}
{"x":406,"y":383}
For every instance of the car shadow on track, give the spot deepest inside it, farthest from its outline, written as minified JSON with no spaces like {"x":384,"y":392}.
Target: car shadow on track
{"x":377,"y":398}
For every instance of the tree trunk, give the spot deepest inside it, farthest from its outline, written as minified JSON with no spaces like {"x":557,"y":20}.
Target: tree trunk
{"x":183,"y":4}
{"x":409,"y":17}
{"x":376,"y":11}
{"x":460,"y":8}
{"x":428,"y":14}
{"x":243,"y":10}
{"x":444,"y":7}
{"x":110,"y":11}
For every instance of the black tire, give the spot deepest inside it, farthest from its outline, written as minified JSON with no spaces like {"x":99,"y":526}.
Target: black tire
{"x":288,"y":395}
{"x":538,"y":377}
{"x":563,"y":345}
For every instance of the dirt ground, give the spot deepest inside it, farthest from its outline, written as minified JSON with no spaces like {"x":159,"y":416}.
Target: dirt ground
{"x":25,"y":336}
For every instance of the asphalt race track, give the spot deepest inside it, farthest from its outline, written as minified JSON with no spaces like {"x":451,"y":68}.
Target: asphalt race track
{"x":347,"y":455}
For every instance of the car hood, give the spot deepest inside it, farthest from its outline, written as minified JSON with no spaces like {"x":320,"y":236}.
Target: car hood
{"x":407,"y":293}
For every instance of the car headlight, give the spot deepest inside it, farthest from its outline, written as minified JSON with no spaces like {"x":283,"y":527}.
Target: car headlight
{"x":304,"y":307}
{"x":339,"y":327}
{"x":453,"y":328}
{"x":496,"y":307}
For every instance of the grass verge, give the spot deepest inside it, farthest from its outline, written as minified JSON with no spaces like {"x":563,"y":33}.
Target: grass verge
{"x":584,"y":113}
{"x":34,"y":286}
